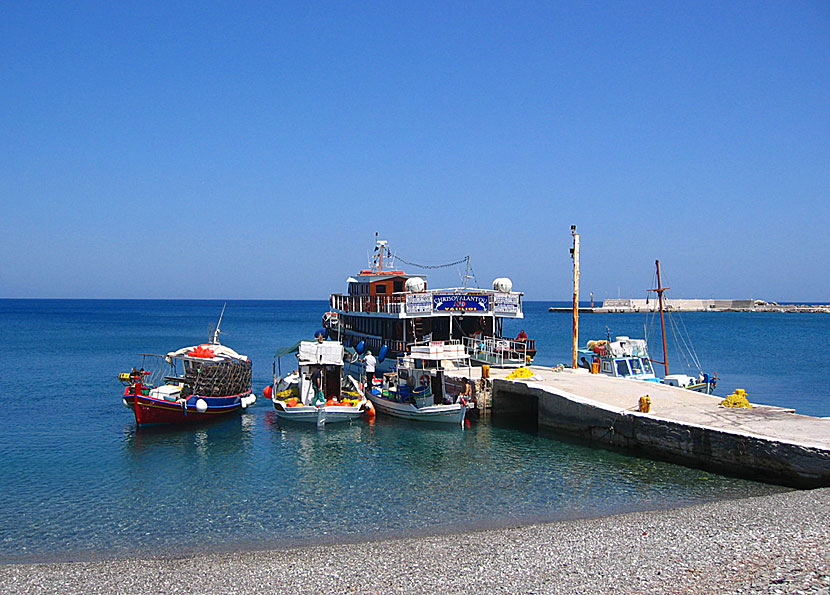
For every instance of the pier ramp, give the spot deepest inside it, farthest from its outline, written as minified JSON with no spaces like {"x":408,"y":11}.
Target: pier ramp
{"x":765,"y":443}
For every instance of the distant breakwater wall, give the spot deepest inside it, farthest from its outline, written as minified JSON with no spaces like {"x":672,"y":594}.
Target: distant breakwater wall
{"x":705,"y":305}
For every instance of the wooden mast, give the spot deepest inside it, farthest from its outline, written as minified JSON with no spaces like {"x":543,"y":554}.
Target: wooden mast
{"x":575,"y":257}
{"x":660,"y":289}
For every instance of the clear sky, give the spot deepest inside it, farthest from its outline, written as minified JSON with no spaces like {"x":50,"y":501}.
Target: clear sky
{"x":252,"y":150}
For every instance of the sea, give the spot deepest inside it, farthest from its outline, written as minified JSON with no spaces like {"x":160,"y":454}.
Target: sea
{"x":79,"y":481}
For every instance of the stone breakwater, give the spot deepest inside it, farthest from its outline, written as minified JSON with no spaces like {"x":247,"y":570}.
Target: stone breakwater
{"x":618,"y":305}
{"x":765,"y":545}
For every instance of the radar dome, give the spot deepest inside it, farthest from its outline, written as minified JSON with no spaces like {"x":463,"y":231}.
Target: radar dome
{"x":415,"y":285}
{"x":503,"y":284}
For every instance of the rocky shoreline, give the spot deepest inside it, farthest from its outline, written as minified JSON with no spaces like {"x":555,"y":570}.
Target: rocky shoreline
{"x":768,"y":544}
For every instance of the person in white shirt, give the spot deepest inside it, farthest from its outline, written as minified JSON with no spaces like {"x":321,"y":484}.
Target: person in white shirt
{"x":370,"y":362}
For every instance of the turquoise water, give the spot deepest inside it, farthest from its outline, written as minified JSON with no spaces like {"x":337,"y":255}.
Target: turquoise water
{"x":78,"y":479}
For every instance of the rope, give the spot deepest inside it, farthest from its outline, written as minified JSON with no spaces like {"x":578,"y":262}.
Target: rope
{"x":426,"y":266}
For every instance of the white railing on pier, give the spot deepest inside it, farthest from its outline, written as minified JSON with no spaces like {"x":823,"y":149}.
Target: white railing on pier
{"x":501,"y":353}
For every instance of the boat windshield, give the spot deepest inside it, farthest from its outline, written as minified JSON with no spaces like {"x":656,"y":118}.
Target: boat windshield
{"x":636,"y":365}
{"x":647,"y":366}
{"x":622,"y":368}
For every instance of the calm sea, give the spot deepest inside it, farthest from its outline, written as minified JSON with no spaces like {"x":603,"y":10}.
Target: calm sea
{"x":79,"y":481}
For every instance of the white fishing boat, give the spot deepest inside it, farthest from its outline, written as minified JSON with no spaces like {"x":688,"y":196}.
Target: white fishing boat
{"x":421,"y":389}
{"x":335,"y":404}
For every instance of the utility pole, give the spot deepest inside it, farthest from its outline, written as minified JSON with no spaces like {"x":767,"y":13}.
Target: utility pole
{"x":660,"y":289}
{"x":575,"y":257}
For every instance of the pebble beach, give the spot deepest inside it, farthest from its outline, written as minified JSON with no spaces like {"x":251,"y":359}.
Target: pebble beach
{"x":769,"y":544}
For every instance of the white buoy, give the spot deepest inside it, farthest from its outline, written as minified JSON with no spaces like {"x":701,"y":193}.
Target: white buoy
{"x":201,"y":405}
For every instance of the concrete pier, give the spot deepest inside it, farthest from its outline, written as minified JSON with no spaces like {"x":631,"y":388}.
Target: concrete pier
{"x":765,"y":443}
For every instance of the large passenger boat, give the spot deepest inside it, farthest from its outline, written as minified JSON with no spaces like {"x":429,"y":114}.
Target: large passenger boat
{"x":385,"y":310}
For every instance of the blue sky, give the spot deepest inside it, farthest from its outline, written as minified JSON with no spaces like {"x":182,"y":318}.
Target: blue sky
{"x":223,"y":150}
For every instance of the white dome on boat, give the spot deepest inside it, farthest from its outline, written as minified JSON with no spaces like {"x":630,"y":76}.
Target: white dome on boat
{"x":503,"y":284}
{"x":416,"y":284}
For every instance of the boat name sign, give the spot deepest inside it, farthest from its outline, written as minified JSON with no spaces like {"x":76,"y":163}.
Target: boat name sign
{"x":461,"y":303}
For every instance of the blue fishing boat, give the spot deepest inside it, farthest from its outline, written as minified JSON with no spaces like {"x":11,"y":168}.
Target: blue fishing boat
{"x":629,"y":358}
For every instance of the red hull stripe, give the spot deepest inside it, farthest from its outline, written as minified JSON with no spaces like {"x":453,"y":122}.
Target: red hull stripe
{"x":157,"y":411}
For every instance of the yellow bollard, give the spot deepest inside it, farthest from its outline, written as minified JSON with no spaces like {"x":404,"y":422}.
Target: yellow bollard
{"x":645,"y":404}
{"x":485,"y":371}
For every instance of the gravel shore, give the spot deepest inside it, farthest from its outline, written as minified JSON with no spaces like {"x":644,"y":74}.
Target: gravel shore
{"x":769,"y":544}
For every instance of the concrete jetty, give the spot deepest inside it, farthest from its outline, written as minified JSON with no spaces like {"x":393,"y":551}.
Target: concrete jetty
{"x":766,"y":443}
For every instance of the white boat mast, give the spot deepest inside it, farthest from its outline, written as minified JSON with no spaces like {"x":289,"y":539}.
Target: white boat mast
{"x":215,"y":339}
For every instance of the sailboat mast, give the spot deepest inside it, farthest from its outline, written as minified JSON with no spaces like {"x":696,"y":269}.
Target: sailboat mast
{"x":660,"y":290}
{"x":575,"y":257}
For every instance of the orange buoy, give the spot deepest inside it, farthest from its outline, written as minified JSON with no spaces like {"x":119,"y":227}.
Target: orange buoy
{"x":369,"y":410}
{"x":267,"y":392}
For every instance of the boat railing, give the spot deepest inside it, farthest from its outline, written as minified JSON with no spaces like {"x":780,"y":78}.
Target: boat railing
{"x":395,"y":303}
{"x":497,"y":352}
{"x":385,"y":304}
{"x":159,"y":367}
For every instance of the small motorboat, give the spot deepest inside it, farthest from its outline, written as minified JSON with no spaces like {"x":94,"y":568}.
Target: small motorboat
{"x":334,"y":403}
{"x":420,"y":390}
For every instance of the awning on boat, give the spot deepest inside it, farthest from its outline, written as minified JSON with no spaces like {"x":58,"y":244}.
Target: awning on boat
{"x":283,"y":351}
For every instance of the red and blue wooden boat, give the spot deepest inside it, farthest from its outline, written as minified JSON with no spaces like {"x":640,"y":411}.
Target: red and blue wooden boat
{"x":191,"y":385}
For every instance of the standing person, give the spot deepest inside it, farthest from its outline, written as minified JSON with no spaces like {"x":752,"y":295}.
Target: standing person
{"x":317,"y":385}
{"x":370,"y":362}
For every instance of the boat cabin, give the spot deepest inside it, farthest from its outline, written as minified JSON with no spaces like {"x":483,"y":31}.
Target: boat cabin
{"x":623,"y":357}
{"x":328,"y":357}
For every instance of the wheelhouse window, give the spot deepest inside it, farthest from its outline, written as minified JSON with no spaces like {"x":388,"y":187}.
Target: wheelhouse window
{"x":636,"y":367}
{"x":380,"y":288}
{"x":397,"y":286}
{"x":647,"y":367}
{"x":622,"y":368}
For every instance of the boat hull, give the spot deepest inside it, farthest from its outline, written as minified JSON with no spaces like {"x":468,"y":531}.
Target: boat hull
{"x":451,"y":414}
{"x":319,"y":416}
{"x":151,"y":411}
